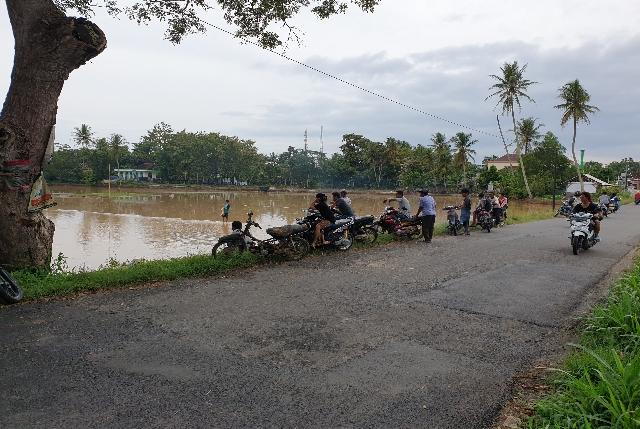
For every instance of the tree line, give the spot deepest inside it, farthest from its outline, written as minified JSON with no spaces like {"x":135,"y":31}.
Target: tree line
{"x":443,"y":164}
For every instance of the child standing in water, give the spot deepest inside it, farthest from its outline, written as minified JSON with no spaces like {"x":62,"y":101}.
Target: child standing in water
{"x":225,"y":211}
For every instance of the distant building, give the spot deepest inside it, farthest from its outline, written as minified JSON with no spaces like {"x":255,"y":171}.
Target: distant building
{"x":136,"y":174}
{"x":505,"y":161}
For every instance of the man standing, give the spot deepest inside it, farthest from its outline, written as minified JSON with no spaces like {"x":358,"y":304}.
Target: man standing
{"x":404,"y":208}
{"x":465,"y":210}
{"x":427,"y":213}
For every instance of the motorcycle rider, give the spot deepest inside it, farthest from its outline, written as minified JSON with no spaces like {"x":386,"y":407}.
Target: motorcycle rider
{"x":574,"y":200}
{"x":341,"y":206}
{"x":320,"y":204}
{"x":496,"y":211}
{"x":404,"y":208}
{"x":343,"y":195}
{"x":483,"y":204}
{"x":615,"y":200}
{"x":586,"y":205}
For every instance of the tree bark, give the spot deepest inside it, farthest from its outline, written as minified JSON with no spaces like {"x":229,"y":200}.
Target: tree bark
{"x":573,"y":151}
{"x":519,"y":154}
{"x":48,"y":47}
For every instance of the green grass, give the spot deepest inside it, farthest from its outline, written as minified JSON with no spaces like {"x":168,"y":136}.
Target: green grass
{"x":599,"y":384}
{"x":42,"y":284}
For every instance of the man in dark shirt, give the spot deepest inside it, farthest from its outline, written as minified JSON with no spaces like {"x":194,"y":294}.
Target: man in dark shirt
{"x":465,"y":210}
{"x":341,"y":206}
{"x":586,"y":205}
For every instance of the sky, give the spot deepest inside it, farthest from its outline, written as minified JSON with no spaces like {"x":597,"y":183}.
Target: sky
{"x":434,"y":55}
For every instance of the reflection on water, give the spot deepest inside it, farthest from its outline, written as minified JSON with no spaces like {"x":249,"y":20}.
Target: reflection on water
{"x":92,"y":228}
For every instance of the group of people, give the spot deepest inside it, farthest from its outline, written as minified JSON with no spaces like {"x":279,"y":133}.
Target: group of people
{"x":340,"y":207}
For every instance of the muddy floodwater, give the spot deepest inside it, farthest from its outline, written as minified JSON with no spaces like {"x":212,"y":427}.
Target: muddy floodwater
{"x":92,"y":228}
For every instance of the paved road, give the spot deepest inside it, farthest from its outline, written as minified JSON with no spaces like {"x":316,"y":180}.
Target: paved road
{"x":408,"y":335}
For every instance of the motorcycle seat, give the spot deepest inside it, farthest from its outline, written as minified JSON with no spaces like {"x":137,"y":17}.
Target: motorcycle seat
{"x":340,"y":222}
{"x":286,"y":230}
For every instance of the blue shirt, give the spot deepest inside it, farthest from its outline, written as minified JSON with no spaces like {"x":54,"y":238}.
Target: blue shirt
{"x":427,"y":205}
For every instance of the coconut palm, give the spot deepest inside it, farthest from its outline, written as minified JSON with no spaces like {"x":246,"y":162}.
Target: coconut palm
{"x":442,"y":157}
{"x":510,"y":88}
{"x":575,"y":107}
{"x":529,"y":131}
{"x":462,"y":144}
{"x":83,"y":136}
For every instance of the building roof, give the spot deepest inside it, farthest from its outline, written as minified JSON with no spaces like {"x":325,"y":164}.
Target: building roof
{"x":596,"y":180}
{"x":512,"y":157}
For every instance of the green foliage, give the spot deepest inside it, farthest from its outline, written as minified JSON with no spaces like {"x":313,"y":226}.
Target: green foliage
{"x":600,"y":385}
{"x":252,"y":20}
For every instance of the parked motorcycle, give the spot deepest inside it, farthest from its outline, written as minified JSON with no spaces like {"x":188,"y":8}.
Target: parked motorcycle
{"x":453,"y":220}
{"x":10,"y":290}
{"x":582,"y":234}
{"x":363,"y":229}
{"x":566,"y":209}
{"x":338,"y":234}
{"x":393,"y":223}
{"x":485,"y":219}
{"x":287,"y":241}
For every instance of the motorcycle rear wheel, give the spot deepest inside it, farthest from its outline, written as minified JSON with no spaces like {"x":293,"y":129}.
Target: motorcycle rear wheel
{"x":10,"y":291}
{"x":297,"y":249}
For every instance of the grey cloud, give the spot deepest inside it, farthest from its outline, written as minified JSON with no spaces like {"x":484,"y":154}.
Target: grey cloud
{"x":425,"y":80}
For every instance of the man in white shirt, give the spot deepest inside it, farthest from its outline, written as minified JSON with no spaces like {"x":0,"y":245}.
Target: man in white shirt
{"x":427,"y":213}
{"x":404,"y":208}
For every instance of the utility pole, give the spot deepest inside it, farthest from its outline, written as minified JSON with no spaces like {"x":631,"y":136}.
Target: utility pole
{"x":305,"y":141}
{"x":321,"y":141}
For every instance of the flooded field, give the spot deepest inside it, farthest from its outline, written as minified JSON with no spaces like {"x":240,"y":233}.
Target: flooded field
{"x":92,"y":228}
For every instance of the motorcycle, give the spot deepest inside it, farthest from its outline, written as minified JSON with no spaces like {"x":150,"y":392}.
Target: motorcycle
{"x":614,"y":205}
{"x":338,"y":234}
{"x":363,"y":229}
{"x":10,"y":290}
{"x":566,"y":209}
{"x":582,"y":234}
{"x":287,"y":241}
{"x":453,"y":220}
{"x":485,"y":219}
{"x":604,"y":209}
{"x":393,"y":223}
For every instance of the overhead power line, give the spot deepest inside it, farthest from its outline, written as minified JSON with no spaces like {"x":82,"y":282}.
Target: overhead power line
{"x":346,"y":82}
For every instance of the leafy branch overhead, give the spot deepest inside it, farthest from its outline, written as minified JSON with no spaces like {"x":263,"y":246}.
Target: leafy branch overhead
{"x":252,"y":19}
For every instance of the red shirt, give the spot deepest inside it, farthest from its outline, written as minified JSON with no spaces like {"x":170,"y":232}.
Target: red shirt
{"x":637,"y":196}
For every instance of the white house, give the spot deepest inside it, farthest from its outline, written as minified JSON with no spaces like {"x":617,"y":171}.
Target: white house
{"x":505,"y":161}
{"x":136,"y":175}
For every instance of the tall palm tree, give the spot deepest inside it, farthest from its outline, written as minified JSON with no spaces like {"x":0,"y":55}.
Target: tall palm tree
{"x":529,"y":131}
{"x":510,"y":87}
{"x":83,"y":136}
{"x":463,"y":152}
{"x":575,"y":107}
{"x":442,"y":156}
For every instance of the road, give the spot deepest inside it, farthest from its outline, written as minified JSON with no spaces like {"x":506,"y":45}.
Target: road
{"x":405,"y":335}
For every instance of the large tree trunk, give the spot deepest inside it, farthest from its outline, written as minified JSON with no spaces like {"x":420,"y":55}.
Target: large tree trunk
{"x":519,"y":154}
{"x":48,"y":46}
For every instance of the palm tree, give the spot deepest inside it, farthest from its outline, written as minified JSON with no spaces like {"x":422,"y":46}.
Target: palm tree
{"x":462,"y":144}
{"x":575,"y":107}
{"x":442,"y":156}
{"x":529,"y":132}
{"x":83,"y":136}
{"x":512,"y":86}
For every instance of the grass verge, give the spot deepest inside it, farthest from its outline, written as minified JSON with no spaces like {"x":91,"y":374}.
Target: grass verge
{"x":43,"y":284}
{"x":599,"y":384}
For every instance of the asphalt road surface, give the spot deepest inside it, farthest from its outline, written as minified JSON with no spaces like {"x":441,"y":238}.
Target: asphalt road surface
{"x":406,"y":335}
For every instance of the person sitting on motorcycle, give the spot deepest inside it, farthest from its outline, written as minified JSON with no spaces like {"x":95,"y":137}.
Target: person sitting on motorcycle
{"x":483,"y":204}
{"x":340,"y":205}
{"x":586,"y":205}
{"x":320,"y":204}
{"x":404,"y":208}
{"x":604,"y":199}
{"x":496,"y":211}
{"x":615,"y":200}
{"x":236,"y":228}
{"x":575,"y":199}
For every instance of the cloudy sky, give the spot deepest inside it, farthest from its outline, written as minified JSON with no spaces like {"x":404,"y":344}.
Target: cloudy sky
{"x":435,"y":55}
